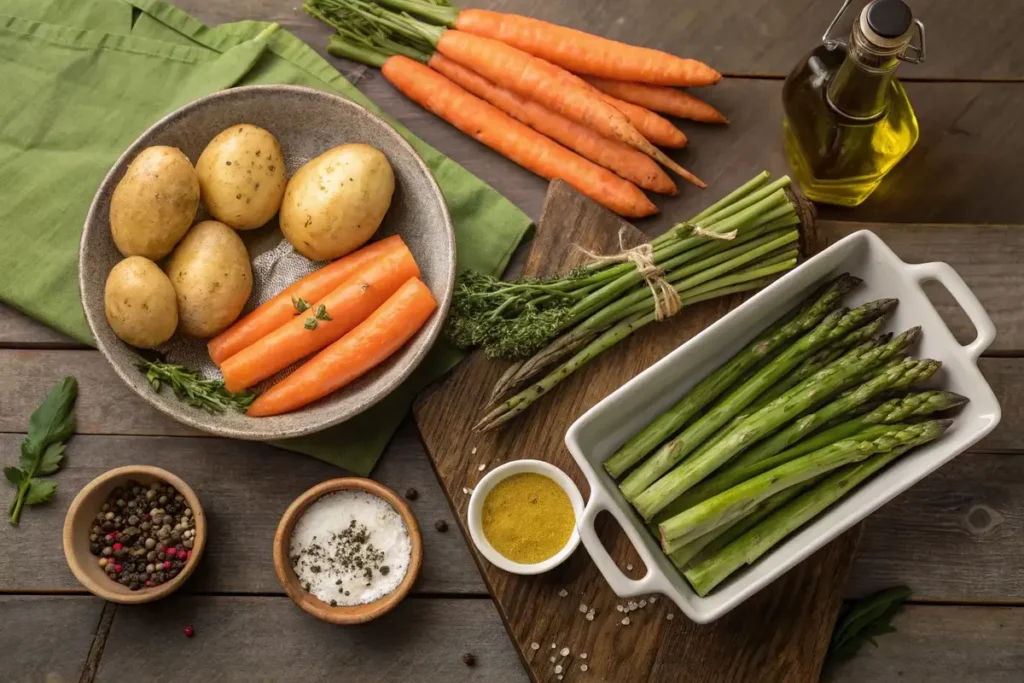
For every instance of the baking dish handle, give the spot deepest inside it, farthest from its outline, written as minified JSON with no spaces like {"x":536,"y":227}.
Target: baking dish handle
{"x":951,"y":280}
{"x":623,"y":586}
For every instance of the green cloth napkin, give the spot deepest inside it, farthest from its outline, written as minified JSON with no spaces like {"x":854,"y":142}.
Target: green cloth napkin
{"x":83,"y":79}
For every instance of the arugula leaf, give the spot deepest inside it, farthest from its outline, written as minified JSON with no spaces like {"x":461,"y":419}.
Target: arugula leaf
{"x":42,"y":450}
{"x":864,"y":620}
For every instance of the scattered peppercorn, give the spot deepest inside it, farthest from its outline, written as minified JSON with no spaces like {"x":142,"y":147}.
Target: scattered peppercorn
{"x":141,"y":554}
{"x":412,"y":494}
{"x":441,"y":525}
{"x":468,"y":659}
{"x":189,"y":631}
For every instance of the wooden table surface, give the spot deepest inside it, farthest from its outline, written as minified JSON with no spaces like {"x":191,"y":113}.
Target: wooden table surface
{"x":957,"y":538}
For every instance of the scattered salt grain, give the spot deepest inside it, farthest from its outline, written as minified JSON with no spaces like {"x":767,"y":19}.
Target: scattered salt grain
{"x":618,"y":608}
{"x":583,"y":667}
{"x":534,"y":646}
{"x":590,"y":615}
{"x":551,"y":659}
{"x":652,"y":600}
{"x":473,"y":452}
{"x":558,"y":668}
{"x":631,"y":605}
{"x":559,"y":677}
{"x":629,"y":567}
{"x":482,"y":467}
{"x":583,"y":608}
{"x":583,"y":655}
{"x":553,"y":646}
{"x":670,"y":616}
{"x":562,"y":593}
{"x":564,"y":652}
{"x":625,"y":621}
{"x":643,"y":603}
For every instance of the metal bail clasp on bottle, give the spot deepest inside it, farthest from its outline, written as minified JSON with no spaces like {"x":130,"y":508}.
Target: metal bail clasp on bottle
{"x":848,"y":120}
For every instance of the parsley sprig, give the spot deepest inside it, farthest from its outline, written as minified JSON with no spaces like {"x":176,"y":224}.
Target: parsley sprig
{"x":864,"y":620}
{"x":207,"y":394}
{"x":42,"y":451}
{"x":319,"y":314}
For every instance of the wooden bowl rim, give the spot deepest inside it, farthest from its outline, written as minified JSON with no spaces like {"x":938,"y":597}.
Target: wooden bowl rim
{"x":115,"y":592}
{"x":344,"y":614}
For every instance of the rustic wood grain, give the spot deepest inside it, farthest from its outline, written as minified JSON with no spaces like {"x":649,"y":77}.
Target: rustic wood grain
{"x":963,"y":170}
{"x":748,"y":37}
{"x":650,"y":647}
{"x":943,"y":644}
{"x":245,"y":488}
{"x":270,"y":639}
{"x":19,"y":330}
{"x":46,"y":639}
{"x":956,"y":536}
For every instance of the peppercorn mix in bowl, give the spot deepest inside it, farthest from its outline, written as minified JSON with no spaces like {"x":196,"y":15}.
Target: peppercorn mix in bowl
{"x":348,"y":550}
{"x":151,"y":534}
{"x":522,"y":516}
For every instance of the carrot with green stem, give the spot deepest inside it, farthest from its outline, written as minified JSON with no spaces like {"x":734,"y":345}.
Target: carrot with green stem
{"x":659,"y":98}
{"x":281,"y":308}
{"x":322,"y":322}
{"x":577,"y":51}
{"x":499,"y":131}
{"x":371,"y":343}
{"x":509,"y":68}
{"x":613,"y":155}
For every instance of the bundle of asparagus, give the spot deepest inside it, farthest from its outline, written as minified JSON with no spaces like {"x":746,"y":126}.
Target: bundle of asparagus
{"x":803,"y":414}
{"x":554,"y":326}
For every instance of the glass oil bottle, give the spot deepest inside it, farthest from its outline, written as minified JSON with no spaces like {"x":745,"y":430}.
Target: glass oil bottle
{"x":848,"y":121}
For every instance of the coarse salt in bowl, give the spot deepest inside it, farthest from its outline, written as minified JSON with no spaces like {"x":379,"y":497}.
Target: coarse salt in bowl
{"x":476,"y":506}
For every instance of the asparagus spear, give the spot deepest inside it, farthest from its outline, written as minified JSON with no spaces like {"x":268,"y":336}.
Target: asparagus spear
{"x":683,"y":554}
{"x":742,"y":498}
{"x":834,"y":326}
{"x":746,"y":549}
{"x":887,"y":379}
{"x":720,"y":380}
{"x":765,"y":421}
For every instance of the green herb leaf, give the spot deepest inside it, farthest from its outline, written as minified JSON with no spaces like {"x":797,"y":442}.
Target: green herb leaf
{"x":310,"y":324}
{"x":14,"y":475}
{"x":39,"y":491}
{"x":321,"y":313}
{"x":52,"y":457}
{"x":50,"y":425}
{"x":864,"y":620}
{"x":300,"y":305}
{"x":206,"y":394}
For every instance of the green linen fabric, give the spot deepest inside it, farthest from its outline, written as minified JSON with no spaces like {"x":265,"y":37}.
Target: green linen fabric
{"x":81,"y":80}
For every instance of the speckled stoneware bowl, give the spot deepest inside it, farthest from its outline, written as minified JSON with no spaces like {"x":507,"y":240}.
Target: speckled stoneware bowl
{"x":306,"y":122}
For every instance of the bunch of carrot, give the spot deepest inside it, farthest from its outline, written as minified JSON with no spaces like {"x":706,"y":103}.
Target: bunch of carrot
{"x":557,"y":101}
{"x":353,"y":314}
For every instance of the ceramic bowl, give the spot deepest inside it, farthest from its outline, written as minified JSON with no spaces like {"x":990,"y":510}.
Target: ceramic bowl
{"x":306,"y":122}
{"x":344,"y":614}
{"x":476,"y":506}
{"x":79,"y":522}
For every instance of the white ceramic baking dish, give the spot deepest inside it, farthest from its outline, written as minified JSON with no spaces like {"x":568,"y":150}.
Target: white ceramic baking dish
{"x":606,"y":426}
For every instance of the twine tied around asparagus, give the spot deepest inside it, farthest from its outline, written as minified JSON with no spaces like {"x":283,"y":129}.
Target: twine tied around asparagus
{"x":703,"y":232}
{"x":666,"y":300}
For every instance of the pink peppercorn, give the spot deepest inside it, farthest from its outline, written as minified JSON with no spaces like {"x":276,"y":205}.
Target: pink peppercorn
{"x":167,"y":565}
{"x":117,"y":568}
{"x":169,"y":552}
{"x":117,"y":546}
{"x":189,"y":632}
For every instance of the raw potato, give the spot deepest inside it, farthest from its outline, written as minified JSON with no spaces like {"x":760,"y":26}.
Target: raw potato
{"x":155,"y":203}
{"x":212,"y":277}
{"x":241,"y":175}
{"x":140,"y":303}
{"x":335,"y":202}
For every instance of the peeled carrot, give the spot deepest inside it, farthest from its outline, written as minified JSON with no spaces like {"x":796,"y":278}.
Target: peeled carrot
{"x":616,"y":156}
{"x":347,"y":306}
{"x":657,"y":129}
{"x":505,"y":135}
{"x":358,"y":352}
{"x":585,"y":53}
{"x":660,"y":98}
{"x":548,"y":85}
{"x":280,"y":309}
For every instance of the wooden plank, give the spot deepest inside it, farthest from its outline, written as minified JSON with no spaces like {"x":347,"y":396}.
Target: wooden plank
{"x":762,"y":37}
{"x":940,"y":643}
{"x":963,"y":170}
{"x":46,"y":639}
{"x":649,"y":647}
{"x":269,"y":639}
{"x":986,"y":256}
{"x":956,"y":536}
{"x":19,"y":330}
{"x":244,"y":487}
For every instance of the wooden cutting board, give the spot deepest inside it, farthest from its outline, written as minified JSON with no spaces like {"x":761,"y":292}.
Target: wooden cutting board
{"x":778,"y":636}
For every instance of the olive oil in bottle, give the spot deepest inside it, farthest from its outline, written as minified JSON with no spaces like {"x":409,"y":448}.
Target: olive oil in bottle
{"x":848,"y":121}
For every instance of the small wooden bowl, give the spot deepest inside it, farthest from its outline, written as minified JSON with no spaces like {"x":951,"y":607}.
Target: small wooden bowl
{"x":343,"y":614}
{"x":79,"y":521}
